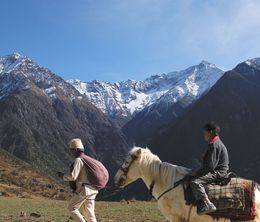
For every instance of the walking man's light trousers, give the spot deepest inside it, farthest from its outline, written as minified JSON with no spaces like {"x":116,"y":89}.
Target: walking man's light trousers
{"x":85,"y":198}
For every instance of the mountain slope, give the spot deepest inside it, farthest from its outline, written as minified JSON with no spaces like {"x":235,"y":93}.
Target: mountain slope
{"x":124,"y":99}
{"x":40,"y":113}
{"x":191,"y":84}
{"x":234,"y":103}
{"x":18,"y":178}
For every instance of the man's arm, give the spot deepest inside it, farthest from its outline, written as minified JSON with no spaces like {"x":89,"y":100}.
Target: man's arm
{"x":78,"y":164}
{"x":211,"y":160}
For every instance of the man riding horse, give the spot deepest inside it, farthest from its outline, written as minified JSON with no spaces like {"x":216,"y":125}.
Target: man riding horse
{"x":214,"y":168}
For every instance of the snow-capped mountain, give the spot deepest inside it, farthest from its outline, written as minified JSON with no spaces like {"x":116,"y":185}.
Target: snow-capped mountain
{"x":18,"y":72}
{"x":234,"y":103}
{"x":129,"y":97}
{"x":40,"y":112}
{"x":255,"y":62}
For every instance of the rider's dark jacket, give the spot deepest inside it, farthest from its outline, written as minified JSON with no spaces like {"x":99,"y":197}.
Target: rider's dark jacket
{"x":215,"y":159}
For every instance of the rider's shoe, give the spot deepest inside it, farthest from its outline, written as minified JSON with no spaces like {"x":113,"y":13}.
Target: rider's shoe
{"x":205,"y":208}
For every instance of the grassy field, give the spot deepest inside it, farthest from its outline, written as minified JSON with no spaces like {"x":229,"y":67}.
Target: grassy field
{"x":20,"y":209}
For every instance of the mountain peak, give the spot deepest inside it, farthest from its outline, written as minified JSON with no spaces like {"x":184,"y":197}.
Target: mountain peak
{"x":13,"y":56}
{"x":18,"y":72}
{"x":255,"y":62}
{"x":249,"y":67}
{"x":207,"y":64}
{"x":131,"y":96}
{"x":17,"y":55}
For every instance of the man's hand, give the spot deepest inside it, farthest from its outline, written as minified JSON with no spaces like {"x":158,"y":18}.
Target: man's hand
{"x":192,"y":173}
{"x":188,"y":177}
{"x":60,"y":175}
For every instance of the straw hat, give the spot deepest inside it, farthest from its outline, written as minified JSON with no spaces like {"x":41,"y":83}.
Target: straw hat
{"x":76,"y":144}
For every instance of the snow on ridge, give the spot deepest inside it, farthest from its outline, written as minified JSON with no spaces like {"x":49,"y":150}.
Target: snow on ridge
{"x":191,"y":84}
{"x":255,"y":62}
{"x":19,"y":72}
{"x":123,"y":98}
{"x":128,"y":97}
{"x":116,"y":99}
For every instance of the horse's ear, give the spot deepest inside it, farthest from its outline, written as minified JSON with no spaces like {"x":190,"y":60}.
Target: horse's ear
{"x":138,"y":152}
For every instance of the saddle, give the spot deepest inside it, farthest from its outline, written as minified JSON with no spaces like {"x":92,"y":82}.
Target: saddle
{"x":233,"y":197}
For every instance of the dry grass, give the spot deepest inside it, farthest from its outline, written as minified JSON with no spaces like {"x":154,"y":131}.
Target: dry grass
{"x":24,"y":190}
{"x":20,"y":179}
{"x":19,"y":209}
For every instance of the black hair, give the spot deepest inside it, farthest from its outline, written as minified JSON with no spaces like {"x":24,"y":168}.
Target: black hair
{"x":212,"y":126}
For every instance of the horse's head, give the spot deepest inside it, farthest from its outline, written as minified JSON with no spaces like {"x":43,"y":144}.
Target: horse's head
{"x":129,"y":171}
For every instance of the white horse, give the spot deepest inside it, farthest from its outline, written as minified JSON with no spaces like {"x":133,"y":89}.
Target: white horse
{"x":159,"y":177}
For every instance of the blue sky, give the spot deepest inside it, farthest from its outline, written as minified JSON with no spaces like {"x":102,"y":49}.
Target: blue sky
{"x":114,"y":40}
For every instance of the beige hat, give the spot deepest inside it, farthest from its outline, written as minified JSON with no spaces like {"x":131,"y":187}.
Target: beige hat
{"x":76,"y":144}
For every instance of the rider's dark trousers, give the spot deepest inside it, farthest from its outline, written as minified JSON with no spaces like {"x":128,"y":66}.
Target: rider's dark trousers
{"x":197,"y":184}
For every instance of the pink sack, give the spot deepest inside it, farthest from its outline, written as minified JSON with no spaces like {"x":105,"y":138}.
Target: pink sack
{"x":96,"y":172}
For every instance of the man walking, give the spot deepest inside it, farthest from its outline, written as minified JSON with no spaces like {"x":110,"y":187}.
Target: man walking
{"x":84,"y":194}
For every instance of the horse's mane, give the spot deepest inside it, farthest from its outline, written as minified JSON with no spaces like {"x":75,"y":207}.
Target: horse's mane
{"x":159,"y":169}
{"x":172,"y":173}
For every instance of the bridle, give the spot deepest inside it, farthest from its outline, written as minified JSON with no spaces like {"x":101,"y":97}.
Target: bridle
{"x":166,"y":191}
{"x":126,"y":169}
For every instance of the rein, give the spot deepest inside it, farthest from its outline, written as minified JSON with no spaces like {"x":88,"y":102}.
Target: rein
{"x":114,"y":190}
{"x":108,"y":191}
{"x":174,"y":186}
{"x":166,"y":191}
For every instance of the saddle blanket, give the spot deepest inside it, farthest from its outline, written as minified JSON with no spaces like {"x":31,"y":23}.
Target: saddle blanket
{"x":234,"y":200}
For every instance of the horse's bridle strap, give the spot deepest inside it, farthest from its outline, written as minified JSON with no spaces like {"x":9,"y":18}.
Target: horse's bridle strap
{"x":151,"y":188}
{"x":174,"y":186}
{"x":126,"y":169}
{"x":153,"y":182}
